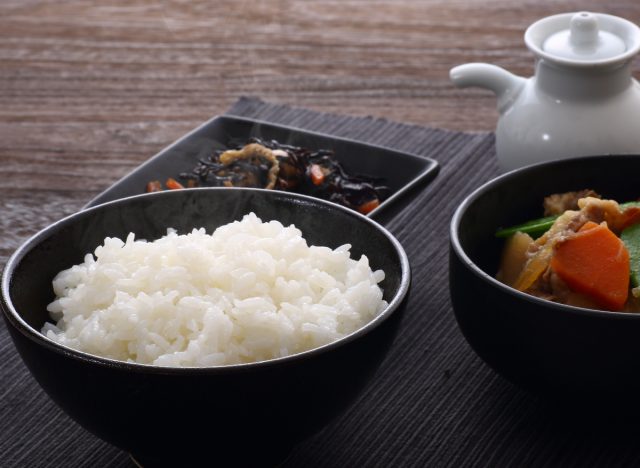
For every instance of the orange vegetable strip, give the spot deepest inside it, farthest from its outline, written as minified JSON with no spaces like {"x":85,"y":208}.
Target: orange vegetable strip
{"x":369,"y":206}
{"x":630,"y":216}
{"x":317,"y":176}
{"x":154,"y":186}
{"x":173,"y":184}
{"x":595,"y":263}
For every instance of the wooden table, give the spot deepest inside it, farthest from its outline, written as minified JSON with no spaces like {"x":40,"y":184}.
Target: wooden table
{"x":89,"y":90}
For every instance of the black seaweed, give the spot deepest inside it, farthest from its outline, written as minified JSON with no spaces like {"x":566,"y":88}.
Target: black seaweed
{"x":359,"y":192}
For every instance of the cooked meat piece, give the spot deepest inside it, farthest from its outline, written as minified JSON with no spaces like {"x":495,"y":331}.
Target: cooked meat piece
{"x":558,"y":203}
{"x":597,"y":210}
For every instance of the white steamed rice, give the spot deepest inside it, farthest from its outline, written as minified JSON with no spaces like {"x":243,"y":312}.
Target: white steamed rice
{"x":249,"y":292}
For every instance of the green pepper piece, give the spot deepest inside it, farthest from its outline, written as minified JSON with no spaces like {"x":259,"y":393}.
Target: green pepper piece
{"x":630,"y":204}
{"x":631,"y":238}
{"x":535,"y":228}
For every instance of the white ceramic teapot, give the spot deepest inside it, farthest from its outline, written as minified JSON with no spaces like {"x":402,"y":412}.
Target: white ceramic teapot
{"x":582,"y":100}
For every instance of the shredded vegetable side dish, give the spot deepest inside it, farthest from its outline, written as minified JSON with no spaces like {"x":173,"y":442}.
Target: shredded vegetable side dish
{"x":273,"y":165}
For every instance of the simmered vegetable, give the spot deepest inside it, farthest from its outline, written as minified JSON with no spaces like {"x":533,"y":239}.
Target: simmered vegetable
{"x":631,"y":238}
{"x":368,"y":207}
{"x":514,"y":255}
{"x":587,"y":256}
{"x":594,"y":262}
{"x":154,"y":186}
{"x":534,"y":269}
{"x":173,"y":184}
{"x":631,"y":216}
{"x":535,"y":228}
{"x":317,"y":175}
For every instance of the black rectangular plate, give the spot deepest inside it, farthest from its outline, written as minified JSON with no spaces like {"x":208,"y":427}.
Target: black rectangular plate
{"x":403,"y":173}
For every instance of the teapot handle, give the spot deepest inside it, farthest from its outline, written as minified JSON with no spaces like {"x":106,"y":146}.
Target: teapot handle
{"x":504,"y":84}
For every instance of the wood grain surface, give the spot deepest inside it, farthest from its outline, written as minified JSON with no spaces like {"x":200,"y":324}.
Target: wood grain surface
{"x":89,"y":90}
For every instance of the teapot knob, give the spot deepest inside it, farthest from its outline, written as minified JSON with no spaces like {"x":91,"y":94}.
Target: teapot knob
{"x":583,"y":40}
{"x":583,"y":30}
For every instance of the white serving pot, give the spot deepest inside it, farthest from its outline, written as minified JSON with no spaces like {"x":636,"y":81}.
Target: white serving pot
{"x":582,"y":100}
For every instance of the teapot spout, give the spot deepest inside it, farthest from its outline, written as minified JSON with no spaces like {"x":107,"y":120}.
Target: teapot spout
{"x":504,"y":84}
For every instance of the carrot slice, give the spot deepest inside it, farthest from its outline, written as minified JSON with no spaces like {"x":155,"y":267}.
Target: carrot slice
{"x":595,"y":263}
{"x":630,"y":216}
{"x":369,"y":206}
{"x":317,"y":175}
{"x":173,"y":184}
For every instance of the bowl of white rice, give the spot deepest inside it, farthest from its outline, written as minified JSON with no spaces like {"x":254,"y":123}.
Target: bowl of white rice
{"x":206,"y":324}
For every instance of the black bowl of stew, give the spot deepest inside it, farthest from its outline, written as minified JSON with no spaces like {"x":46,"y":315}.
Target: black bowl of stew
{"x":546,"y":347}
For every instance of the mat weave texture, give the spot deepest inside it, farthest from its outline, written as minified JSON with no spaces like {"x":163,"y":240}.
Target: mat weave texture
{"x":433,"y":403}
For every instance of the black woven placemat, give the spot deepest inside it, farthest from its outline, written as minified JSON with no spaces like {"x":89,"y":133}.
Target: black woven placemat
{"x":433,"y":402}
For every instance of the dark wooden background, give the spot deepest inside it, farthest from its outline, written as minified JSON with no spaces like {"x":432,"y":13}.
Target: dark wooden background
{"x":90,"y":89}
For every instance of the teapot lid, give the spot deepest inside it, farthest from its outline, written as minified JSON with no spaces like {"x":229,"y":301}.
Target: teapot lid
{"x":583,"y":39}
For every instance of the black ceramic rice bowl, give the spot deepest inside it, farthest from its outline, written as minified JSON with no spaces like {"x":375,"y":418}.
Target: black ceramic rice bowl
{"x":237,"y":415}
{"x":548,"y":348}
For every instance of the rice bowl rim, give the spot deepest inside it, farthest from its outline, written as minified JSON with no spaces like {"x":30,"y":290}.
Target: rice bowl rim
{"x":39,"y":338}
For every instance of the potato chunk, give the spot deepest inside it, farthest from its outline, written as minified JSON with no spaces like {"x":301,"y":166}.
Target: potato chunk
{"x":514,"y":257}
